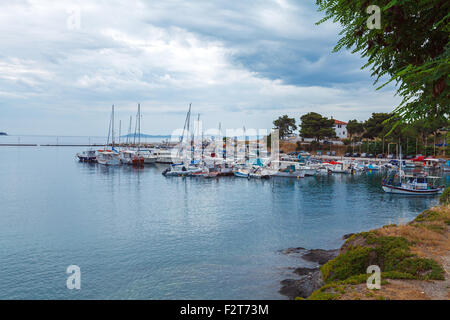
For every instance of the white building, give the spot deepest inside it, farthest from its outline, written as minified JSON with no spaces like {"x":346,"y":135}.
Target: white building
{"x":340,"y":127}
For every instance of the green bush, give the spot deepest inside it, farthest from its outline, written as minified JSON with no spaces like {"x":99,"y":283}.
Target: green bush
{"x":392,"y":254}
{"x":353,"y":262}
{"x":445,"y":196}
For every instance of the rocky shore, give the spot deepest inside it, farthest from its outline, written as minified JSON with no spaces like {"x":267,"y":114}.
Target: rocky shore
{"x":414,"y":259}
{"x":310,"y":278}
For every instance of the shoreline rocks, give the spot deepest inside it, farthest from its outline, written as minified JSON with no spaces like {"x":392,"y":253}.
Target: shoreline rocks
{"x":310,"y":278}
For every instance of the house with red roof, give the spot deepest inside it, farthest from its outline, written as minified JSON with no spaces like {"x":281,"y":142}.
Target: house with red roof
{"x":341,"y":129}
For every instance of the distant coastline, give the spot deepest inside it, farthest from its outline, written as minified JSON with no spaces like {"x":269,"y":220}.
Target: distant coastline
{"x":3,"y":134}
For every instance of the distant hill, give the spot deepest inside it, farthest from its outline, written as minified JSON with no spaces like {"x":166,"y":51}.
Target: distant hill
{"x":3,"y":134}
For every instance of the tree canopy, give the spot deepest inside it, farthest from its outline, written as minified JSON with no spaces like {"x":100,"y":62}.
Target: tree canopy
{"x":375,"y":127}
{"x":411,"y":48}
{"x":285,"y":125}
{"x":355,"y":127}
{"x":317,"y":127}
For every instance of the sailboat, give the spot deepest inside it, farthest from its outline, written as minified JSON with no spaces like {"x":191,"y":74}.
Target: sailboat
{"x":138,"y":159}
{"x":109,"y":157}
{"x":185,"y":168}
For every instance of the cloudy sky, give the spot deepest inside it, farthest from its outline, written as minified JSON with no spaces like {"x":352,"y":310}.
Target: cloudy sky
{"x":64,"y":63}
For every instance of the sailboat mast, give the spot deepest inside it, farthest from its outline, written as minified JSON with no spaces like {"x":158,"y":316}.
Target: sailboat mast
{"x":120,"y":130}
{"x":129,"y":131}
{"x":135,"y":130}
{"x":246,"y":146}
{"x":112,"y":127}
{"x":109,"y":133}
{"x":139,"y":129}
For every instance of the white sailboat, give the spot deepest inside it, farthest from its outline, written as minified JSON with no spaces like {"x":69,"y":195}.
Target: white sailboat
{"x":109,"y":157}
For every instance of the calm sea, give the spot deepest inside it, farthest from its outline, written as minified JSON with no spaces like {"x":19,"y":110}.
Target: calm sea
{"x":138,"y":235}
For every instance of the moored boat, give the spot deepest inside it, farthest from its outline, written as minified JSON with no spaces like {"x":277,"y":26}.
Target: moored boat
{"x":108,"y":157}
{"x":87,"y":156}
{"x":413,"y":185}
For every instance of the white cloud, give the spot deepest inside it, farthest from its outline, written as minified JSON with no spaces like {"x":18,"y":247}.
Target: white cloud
{"x":167,"y":54}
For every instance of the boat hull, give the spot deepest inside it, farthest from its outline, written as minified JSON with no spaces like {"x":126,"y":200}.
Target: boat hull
{"x":87,"y":159}
{"x":296,"y":174}
{"x":113,"y":162}
{"x":400,"y":190}
{"x":149,"y":160}
{"x":240,"y":174}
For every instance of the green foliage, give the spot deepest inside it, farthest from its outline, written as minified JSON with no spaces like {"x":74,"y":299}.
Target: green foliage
{"x":323,"y":296}
{"x":411,"y":48}
{"x":285,"y":125}
{"x":353,"y":262}
{"x":427,"y":215}
{"x":392,"y":254}
{"x":315,"y":126}
{"x":422,"y":268}
{"x":375,"y":126}
{"x":347,"y":142}
{"x":445,"y":196}
{"x":355,"y":127}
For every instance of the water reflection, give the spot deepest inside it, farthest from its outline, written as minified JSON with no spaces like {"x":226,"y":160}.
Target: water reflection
{"x":140,"y":235}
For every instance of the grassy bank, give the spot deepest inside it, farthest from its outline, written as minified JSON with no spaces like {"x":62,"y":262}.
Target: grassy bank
{"x":414,"y":260}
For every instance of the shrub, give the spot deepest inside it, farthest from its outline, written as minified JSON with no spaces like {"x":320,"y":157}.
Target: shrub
{"x":445,"y":196}
{"x":393,"y":256}
{"x":350,"y":263}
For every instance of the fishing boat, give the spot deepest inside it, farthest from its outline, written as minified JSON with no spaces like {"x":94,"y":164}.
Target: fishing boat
{"x":87,"y":156}
{"x":412,"y":185}
{"x":420,"y":184}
